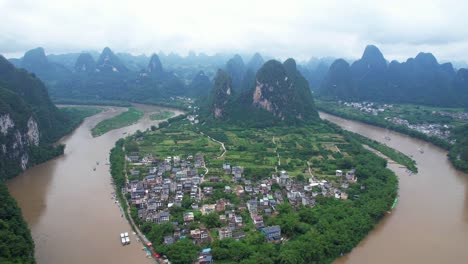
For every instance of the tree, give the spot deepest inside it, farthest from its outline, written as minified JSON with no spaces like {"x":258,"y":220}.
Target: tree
{"x":211,"y":220}
{"x":182,"y":252}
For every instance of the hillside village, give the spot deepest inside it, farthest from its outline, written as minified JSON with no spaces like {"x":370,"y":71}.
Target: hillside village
{"x":158,"y":187}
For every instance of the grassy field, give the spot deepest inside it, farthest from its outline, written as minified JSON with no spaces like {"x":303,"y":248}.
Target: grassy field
{"x":162,"y":115}
{"x":124,"y":119}
{"x":260,"y":152}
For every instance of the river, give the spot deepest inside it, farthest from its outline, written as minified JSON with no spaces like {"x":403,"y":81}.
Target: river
{"x":73,"y":218}
{"x":69,"y":207}
{"x":430,"y":222}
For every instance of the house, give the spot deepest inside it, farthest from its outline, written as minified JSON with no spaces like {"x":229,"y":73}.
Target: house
{"x":215,"y":179}
{"x":164,"y":217}
{"x":195,"y":234}
{"x":168,"y":240}
{"x":208,"y":191}
{"x":227,"y":168}
{"x":252,"y":206}
{"x":237,"y":172}
{"x":258,"y":221}
{"x":351,"y":176}
{"x":134,"y":158}
{"x":225,"y":232}
{"x":208,"y":209}
{"x":220,"y":206}
{"x":338,"y":173}
{"x":203,"y":234}
{"x":284,"y":178}
{"x":188,"y":217}
{"x":238,"y":235}
{"x":227,"y":189}
{"x":134,"y":172}
{"x":208,"y":259}
{"x":239,"y":190}
{"x":272,"y":233}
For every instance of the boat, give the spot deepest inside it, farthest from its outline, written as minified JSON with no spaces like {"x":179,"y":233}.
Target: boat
{"x":395,"y":202}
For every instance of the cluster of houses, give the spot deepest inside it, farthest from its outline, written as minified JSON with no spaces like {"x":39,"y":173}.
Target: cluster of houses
{"x":454,"y":115}
{"x":367,"y":107}
{"x":434,"y":130}
{"x":159,"y":184}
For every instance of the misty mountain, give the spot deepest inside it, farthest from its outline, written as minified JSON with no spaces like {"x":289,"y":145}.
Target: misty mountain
{"x":255,"y":63}
{"x":85,"y":63}
{"x":420,"y":80}
{"x":35,"y":61}
{"x":235,"y":68}
{"x":315,"y":71}
{"x":280,"y":95}
{"x":108,"y":62}
{"x":154,"y":67}
{"x":200,"y":85}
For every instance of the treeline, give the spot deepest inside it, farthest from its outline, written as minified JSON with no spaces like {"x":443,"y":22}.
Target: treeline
{"x":393,"y":154}
{"x":458,"y":154}
{"x":166,"y":123}
{"x":117,"y":159}
{"x":16,"y":243}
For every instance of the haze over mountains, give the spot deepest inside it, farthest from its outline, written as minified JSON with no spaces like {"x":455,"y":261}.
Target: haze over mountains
{"x":420,"y":80}
{"x":122,"y":76}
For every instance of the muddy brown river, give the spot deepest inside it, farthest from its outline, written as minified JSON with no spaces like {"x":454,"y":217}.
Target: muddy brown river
{"x":73,"y":218}
{"x":430,"y":222}
{"x":69,"y":207}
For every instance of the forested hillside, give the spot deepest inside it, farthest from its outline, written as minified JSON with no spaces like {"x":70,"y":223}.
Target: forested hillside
{"x":279,"y":94}
{"x":16,"y":244}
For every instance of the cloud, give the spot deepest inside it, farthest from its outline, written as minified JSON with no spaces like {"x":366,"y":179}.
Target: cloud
{"x":299,"y":29}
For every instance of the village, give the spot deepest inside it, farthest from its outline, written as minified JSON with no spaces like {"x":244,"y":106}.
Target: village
{"x":159,"y":186}
{"x":438,"y":130}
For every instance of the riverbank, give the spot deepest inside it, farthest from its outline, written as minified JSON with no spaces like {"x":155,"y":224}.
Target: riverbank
{"x":69,"y":206}
{"x":431,"y":212}
{"x":456,"y":150}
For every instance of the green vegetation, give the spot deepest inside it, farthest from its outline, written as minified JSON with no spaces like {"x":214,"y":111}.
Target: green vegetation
{"x":127,"y":118}
{"x":78,"y":114}
{"x":16,"y":243}
{"x":314,"y":235}
{"x":282,"y":97}
{"x":393,"y":154}
{"x":414,"y":114}
{"x":162,"y":115}
{"x":458,"y":154}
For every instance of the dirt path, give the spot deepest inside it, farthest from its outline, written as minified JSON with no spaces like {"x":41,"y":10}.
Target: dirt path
{"x":219,"y":142}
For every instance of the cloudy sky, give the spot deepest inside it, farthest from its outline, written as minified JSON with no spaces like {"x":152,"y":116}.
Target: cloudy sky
{"x":299,"y":29}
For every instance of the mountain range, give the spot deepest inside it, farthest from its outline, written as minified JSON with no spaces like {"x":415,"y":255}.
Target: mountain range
{"x":419,"y":80}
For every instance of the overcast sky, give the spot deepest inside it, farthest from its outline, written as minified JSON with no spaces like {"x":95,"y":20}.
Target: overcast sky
{"x":298,"y":29}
